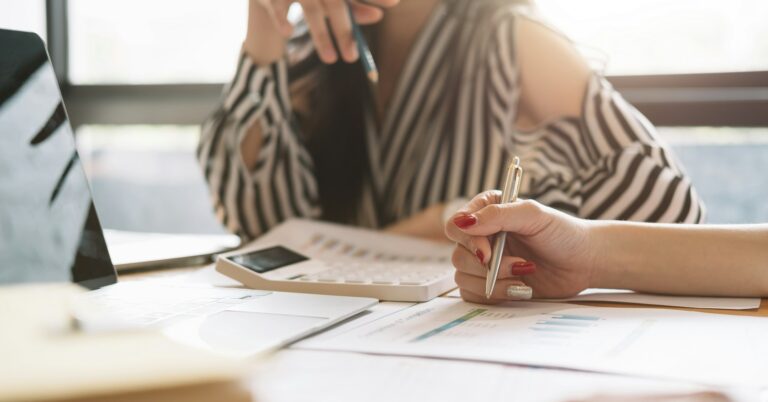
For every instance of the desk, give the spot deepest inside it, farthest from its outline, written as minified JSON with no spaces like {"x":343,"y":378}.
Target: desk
{"x":305,"y":375}
{"x":760,"y":312}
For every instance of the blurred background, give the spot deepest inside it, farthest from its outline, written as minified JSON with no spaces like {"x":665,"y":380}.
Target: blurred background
{"x":139,"y":77}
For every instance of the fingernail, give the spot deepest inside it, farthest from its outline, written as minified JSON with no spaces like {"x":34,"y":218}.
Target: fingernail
{"x":519,"y":292}
{"x":465,"y":221}
{"x":523,"y":268}
{"x":480,"y":255}
{"x":329,"y":55}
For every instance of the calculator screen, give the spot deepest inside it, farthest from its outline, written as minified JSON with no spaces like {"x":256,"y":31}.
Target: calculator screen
{"x":266,"y":260}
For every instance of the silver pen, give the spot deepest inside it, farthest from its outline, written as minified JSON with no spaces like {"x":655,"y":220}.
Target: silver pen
{"x":508,"y":194}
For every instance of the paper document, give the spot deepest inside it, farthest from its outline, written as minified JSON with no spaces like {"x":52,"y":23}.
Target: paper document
{"x":712,"y":348}
{"x":377,"y":312}
{"x":628,"y":296}
{"x":350,"y":377}
{"x":332,"y":243}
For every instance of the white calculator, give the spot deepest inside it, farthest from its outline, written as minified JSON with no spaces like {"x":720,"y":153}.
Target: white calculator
{"x":384,"y":277}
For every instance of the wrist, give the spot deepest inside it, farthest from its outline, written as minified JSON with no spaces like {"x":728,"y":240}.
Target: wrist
{"x":263,"y":42}
{"x":605,"y":260}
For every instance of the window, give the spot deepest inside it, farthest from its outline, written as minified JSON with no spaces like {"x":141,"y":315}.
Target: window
{"x":146,"y":178}
{"x":28,"y":15}
{"x":661,"y":36}
{"x":689,"y":62}
{"x":727,"y":166}
{"x":140,"y":76}
{"x":154,"y":42}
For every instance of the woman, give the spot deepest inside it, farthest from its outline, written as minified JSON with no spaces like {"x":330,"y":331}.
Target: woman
{"x":463,"y":86}
{"x":558,"y":255}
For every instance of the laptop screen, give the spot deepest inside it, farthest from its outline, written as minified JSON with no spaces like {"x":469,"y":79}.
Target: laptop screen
{"x":49,"y":230}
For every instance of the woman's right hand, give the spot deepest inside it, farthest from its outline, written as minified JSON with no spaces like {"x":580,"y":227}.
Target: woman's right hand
{"x":547,"y":250}
{"x":269,"y":28}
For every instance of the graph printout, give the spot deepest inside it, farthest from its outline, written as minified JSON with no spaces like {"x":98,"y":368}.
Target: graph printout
{"x":335,"y":243}
{"x":710,"y":348}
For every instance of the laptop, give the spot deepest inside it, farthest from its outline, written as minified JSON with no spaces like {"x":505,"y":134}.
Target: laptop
{"x":50,"y":231}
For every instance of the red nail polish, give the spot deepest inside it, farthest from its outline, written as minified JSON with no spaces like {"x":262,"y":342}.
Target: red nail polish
{"x":480,"y":255}
{"x":523,"y":268}
{"x":465,"y":221}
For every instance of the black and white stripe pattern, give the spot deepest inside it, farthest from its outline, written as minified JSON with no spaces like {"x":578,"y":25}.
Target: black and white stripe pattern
{"x":448,"y":133}
{"x":282,"y":185}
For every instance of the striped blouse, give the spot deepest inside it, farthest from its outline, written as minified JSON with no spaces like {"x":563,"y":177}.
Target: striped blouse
{"x":441,"y":142}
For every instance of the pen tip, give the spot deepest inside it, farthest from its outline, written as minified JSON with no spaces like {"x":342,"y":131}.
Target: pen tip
{"x":516,"y":161}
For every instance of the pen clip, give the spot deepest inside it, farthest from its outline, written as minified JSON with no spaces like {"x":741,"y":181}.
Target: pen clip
{"x":518,"y":175}
{"x":512,"y":182}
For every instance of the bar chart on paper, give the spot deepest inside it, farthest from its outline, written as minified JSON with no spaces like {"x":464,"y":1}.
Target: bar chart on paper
{"x":650,"y":342}
{"x":555,"y":327}
{"x":451,"y":324}
{"x":550,"y":330}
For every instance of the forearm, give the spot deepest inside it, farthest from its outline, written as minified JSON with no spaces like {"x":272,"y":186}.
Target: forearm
{"x":681,"y":259}
{"x":263,"y":41}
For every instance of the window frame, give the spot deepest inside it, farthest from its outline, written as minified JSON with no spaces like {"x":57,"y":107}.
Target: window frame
{"x":737,"y":99}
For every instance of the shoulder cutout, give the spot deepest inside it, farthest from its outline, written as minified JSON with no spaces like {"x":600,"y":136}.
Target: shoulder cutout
{"x":553,"y":75}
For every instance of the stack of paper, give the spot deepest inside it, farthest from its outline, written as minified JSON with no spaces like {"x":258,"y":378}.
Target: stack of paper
{"x":711,"y":348}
